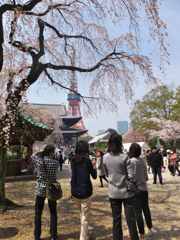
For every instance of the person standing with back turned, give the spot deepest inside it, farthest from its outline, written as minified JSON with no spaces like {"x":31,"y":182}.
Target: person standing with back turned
{"x":156,"y":161}
{"x":116,"y":167}
{"x":46,"y":167}
{"x":138,"y":175}
{"x":81,"y":187}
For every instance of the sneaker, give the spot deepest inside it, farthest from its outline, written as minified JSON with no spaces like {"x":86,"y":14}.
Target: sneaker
{"x":152,"y":230}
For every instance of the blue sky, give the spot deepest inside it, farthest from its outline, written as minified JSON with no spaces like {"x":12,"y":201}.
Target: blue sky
{"x":170,"y":9}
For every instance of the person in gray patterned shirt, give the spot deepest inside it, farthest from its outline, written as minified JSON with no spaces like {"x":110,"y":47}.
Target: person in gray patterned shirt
{"x":46,"y":167}
{"x":137,"y":173}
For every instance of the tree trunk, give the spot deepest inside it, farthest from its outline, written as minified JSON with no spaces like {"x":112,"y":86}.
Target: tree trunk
{"x":9,"y":119}
{"x":3,"y":167}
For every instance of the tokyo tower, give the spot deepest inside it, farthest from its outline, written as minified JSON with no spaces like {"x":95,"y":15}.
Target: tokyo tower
{"x":74,"y":100}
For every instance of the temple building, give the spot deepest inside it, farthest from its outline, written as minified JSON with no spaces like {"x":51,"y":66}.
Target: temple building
{"x":69,"y":130}
{"x":38,"y":125}
{"x":65,"y":127}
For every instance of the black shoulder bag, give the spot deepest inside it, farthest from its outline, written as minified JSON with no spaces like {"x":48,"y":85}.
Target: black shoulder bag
{"x":54,"y":190}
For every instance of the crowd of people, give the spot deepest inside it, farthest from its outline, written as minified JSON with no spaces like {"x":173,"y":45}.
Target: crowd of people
{"x":126,"y":175}
{"x":159,"y":160}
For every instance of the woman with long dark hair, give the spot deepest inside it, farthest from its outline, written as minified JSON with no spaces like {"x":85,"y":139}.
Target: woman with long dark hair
{"x":81,"y":187}
{"x":116,"y":167}
{"x":46,"y":168}
{"x":138,"y":175}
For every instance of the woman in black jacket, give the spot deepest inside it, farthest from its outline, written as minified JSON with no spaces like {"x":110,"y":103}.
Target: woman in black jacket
{"x":81,"y":187}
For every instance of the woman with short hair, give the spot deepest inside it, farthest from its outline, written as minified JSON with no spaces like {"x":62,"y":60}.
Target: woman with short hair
{"x":115,"y":162}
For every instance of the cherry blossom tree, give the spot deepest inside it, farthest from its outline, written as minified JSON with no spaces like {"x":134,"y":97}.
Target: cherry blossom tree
{"x":38,"y":40}
{"x":166,"y":130}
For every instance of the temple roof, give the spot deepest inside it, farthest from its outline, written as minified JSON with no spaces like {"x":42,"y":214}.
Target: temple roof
{"x":33,"y":122}
{"x":69,"y":121}
{"x":27,"y":130}
{"x":73,"y":131}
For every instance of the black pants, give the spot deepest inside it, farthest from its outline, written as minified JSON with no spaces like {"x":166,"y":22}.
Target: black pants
{"x":116,"y":205}
{"x":101,"y":179}
{"x":172,"y":169}
{"x":61,"y":166}
{"x":142,"y":208}
{"x":157,"y":172}
{"x":39,"y":205}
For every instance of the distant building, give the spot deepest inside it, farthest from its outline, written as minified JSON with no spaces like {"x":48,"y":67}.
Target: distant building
{"x":122,"y":127}
{"x":101,"y":131}
{"x":102,"y":137}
